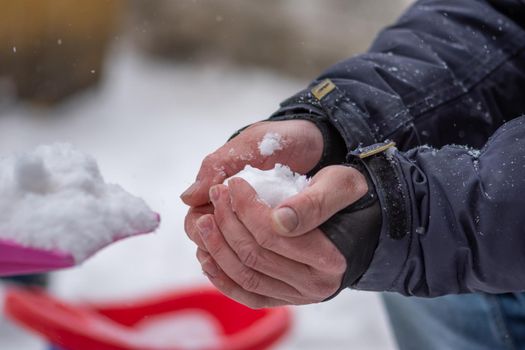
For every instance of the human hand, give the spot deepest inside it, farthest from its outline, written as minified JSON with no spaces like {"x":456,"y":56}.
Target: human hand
{"x":247,"y":259}
{"x":302,"y":149}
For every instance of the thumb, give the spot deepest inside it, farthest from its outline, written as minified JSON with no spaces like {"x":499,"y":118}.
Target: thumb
{"x":331,"y":190}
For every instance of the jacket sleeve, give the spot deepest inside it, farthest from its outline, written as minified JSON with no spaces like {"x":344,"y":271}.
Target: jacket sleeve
{"x":449,"y":71}
{"x":465,"y":214}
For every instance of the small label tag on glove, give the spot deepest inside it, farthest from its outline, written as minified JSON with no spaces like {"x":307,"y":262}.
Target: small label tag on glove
{"x":323,"y":88}
{"x":374,"y":149}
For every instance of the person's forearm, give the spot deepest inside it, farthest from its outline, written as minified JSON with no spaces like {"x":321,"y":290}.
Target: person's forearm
{"x":463,"y":210}
{"x":447,"y":72}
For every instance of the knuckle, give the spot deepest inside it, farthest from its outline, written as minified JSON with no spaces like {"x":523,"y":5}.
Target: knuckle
{"x":209,"y":160}
{"x":266,"y":240}
{"x":339,"y":264}
{"x":334,"y":263}
{"x":220,"y":218}
{"x":188,"y":219}
{"x":249,"y":280}
{"x":229,"y":168}
{"x":242,"y":203}
{"x":249,"y":255}
{"x":188,"y":225}
{"x":200,"y":255}
{"x":189,"y":228}
{"x":238,"y":203}
{"x":225,"y":288}
{"x":356,"y":184}
{"x":214,"y":248}
{"x":325,"y":288}
{"x":361,"y":188}
{"x":211,"y":165}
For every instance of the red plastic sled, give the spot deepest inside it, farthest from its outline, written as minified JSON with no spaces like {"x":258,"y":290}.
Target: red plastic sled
{"x":116,"y":326}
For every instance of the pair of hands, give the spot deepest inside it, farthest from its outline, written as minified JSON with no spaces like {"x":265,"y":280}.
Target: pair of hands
{"x":257,"y":255}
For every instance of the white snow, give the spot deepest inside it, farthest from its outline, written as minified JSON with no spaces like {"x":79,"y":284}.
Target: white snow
{"x":275,"y":185}
{"x":186,"y":330}
{"x":55,"y":198}
{"x":270,"y":143}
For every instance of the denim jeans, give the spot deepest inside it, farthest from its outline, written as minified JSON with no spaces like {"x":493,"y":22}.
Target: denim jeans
{"x":458,"y":322}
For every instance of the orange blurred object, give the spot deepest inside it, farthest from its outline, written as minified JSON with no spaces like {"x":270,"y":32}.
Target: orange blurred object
{"x":51,"y":49}
{"x":117,"y":326}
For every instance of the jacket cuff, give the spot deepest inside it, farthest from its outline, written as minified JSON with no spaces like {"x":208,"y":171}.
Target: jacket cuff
{"x":327,"y":100}
{"x":383,"y":164}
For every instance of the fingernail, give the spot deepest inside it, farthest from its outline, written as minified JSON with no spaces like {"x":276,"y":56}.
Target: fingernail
{"x":210,"y":268}
{"x":190,"y":190}
{"x":286,"y":219}
{"x":204,"y":226}
{"x":214,"y":194}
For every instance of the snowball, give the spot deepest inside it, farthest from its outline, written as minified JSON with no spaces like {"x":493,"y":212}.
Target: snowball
{"x":275,"y":185}
{"x":270,"y":143}
{"x":54,"y":198}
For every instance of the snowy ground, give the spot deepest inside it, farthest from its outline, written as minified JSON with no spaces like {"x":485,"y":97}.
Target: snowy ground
{"x":149,"y":125}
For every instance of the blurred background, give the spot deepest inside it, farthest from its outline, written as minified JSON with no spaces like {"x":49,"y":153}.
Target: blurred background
{"x":149,"y":88}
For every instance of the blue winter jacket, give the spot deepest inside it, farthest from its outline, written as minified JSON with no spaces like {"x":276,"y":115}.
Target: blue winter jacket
{"x":447,"y":84}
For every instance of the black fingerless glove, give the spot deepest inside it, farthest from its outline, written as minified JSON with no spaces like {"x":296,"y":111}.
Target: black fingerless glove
{"x":355,"y":230}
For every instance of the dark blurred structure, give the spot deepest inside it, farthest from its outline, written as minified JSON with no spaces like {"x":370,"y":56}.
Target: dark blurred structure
{"x":50,"y":49}
{"x":298,"y":37}
{"x":36,"y":280}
